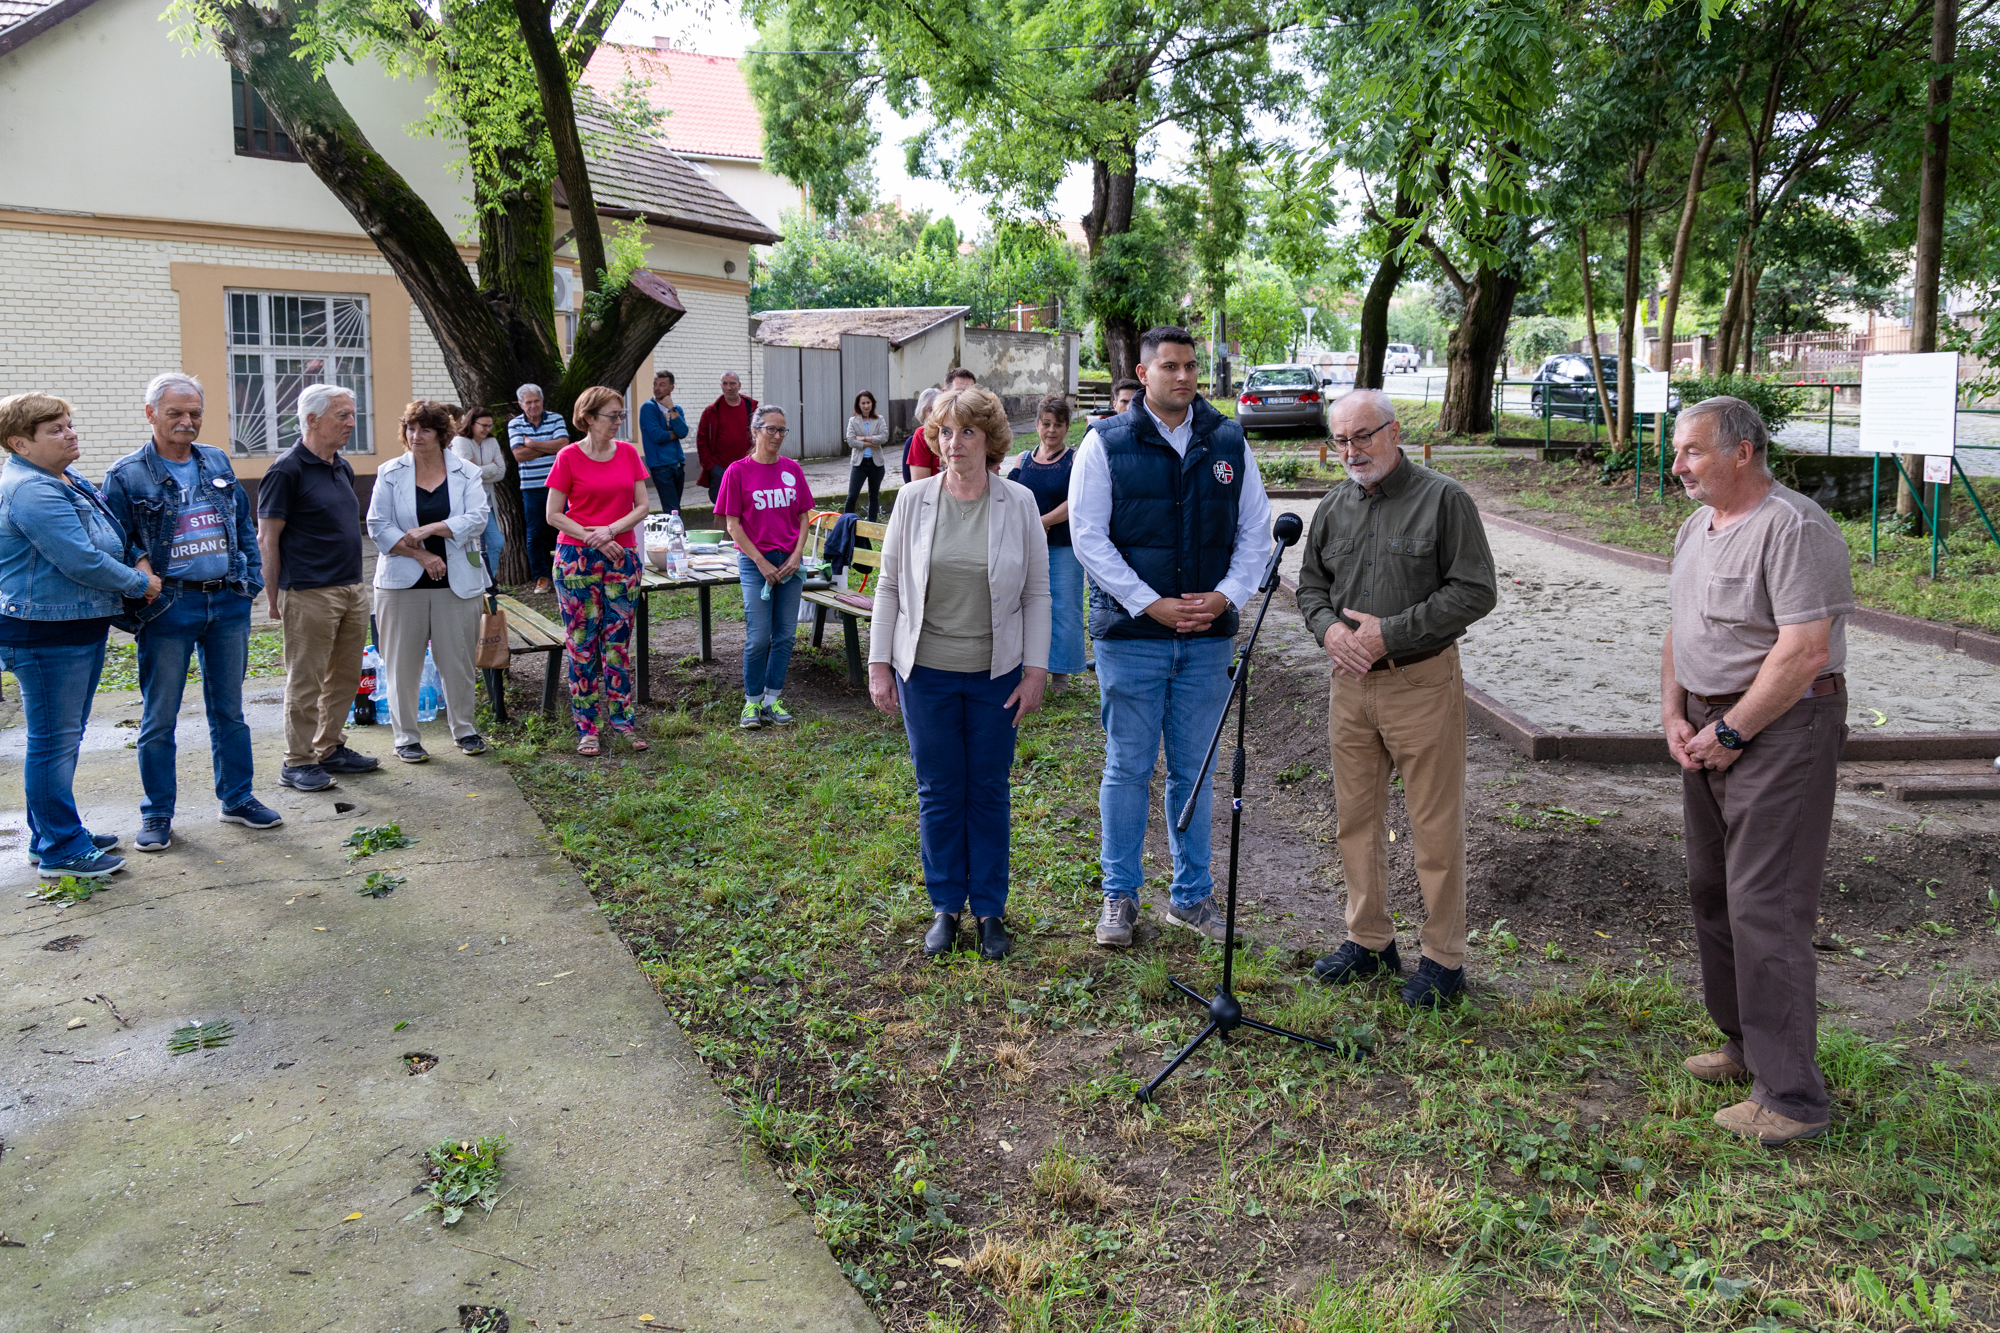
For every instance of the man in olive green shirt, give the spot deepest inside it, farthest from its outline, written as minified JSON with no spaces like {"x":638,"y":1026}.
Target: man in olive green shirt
{"x":1396,"y":566}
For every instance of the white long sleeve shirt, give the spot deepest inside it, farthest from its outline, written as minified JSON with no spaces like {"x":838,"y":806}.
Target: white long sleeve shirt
{"x":1090,"y":524}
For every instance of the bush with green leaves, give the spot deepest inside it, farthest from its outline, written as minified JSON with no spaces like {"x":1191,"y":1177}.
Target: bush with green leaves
{"x":1777,"y":403}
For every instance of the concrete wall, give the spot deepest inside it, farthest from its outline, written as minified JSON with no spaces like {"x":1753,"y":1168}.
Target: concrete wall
{"x":919,"y":364}
{"x":1022,"y":368}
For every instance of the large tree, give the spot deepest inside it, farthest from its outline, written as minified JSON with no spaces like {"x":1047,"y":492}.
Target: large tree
{"x":505,"y":79}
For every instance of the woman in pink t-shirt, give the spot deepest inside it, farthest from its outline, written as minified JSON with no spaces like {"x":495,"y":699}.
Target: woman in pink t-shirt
{"x":765,"y":500}
{"x":597,"y":497}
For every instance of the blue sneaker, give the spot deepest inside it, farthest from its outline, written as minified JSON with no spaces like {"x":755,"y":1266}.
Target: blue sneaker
{"x":93,"y":864}
{"x":104,"y":842}
{"x":156,"y":834}
{"x":253,"y":813}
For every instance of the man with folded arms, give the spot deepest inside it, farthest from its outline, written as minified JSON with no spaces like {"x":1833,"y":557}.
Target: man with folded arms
{"x":1755,"y":711}
{"x":1395,"y":568}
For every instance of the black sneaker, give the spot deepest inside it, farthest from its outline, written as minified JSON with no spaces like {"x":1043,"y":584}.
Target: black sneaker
{"x":1433,"y":985}
{"x":306,"y":777}
{"x":411,"y":754}
{"x":253,"y":813}
{"x":344,"y":760}
{"x":103,"y":842}
{"x":93,"y":864}
{"x":473,"y":744}
{"x":1353,"y":962}
{"x":156,"y":834}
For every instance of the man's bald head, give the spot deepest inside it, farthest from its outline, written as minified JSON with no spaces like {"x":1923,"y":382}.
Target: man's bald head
{"x":1366,"y":434}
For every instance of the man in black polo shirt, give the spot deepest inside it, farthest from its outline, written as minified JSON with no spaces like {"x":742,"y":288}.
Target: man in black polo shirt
{"x":309,"y":531}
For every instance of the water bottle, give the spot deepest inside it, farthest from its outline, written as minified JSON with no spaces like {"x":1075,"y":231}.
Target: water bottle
{"x":430,"y":690}
{"x":677,"y":546}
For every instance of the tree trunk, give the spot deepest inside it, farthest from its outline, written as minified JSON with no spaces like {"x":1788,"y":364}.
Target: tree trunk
{"x":552,"y":80}
{"x":1372,"y":340}
{"x":1474,"y":352}
{"x":1590,"y":322}
{"x":1924,"y":311}
{"x":1748,"y":323}
{"x":1113,"y":192}
{"x":1727,"y":332}
{"x":517,"y":278}
{"x":1635,"y":216}
{"x":1663,"y":357}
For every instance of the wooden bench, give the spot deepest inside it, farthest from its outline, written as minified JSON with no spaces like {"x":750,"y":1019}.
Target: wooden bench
{"x":869,"y":563}
{"x":528,"y":631}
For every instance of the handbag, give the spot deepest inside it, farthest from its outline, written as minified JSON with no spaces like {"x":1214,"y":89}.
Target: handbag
{"x":492,"y":652}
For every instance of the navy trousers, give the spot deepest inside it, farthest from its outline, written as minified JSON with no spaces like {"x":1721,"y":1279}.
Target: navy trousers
{"x":962,"y":745}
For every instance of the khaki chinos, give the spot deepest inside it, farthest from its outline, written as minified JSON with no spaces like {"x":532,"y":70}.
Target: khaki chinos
{"x":1409,"y":720}
{"x":326,"y":632}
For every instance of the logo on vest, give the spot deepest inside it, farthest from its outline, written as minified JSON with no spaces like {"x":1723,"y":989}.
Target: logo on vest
{"x":1223,"y":472}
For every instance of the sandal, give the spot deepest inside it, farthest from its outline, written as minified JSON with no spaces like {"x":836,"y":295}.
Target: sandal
{"x":587,"y":747}
{"x":638,"y":741}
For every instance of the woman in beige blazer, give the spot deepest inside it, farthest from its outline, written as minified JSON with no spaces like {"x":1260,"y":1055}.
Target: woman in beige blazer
{"x":960,"y":646}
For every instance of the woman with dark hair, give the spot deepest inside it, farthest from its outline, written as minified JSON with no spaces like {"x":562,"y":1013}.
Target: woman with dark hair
{"x":1045,"y":471}
{"x":476,"y":444}
{"x":426,"y":517}
{"x":960,"y":646}
{"x":597,"y":497}
{"x":867,"y":435}
{"x":63,"y":577}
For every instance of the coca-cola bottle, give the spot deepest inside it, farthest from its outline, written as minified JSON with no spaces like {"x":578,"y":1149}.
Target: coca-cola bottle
{"x":363,"y":713}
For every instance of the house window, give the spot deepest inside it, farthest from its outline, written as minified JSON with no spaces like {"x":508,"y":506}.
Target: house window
{"x":280,"y":342}
{"x":257,"y":132}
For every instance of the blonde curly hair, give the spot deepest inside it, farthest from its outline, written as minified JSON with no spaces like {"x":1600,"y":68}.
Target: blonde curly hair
{"x":975,"y":407}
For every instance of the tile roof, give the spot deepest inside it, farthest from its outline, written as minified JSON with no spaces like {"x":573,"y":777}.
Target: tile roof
{"x":712,"y":114}
{"x":644,"y":179}
{"x":23,"y":20}
{"x":822,"y":328}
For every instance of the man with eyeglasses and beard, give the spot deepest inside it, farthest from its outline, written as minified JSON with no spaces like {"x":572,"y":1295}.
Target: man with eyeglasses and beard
{"x":1395,"y":568}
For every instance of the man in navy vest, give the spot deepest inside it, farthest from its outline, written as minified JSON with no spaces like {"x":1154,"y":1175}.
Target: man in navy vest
{"x":1170,"y":520}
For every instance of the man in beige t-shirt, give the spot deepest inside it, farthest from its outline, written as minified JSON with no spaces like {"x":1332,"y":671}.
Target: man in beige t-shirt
{"x":1755,"y":711}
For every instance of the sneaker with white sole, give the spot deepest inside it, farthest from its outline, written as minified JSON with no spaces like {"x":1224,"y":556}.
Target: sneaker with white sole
{"x":156,"y":834}
{"x":1204,"y":918}
{"x":774,"y":714}
{"x":93,"y":864}
{"x":1117,"y":921}
{"x":104,"y":842}
{"x":753,"y":716}
{"x":253,"y":813}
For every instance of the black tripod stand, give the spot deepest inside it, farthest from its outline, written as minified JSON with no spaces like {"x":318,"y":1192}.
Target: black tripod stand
{"x":1225,"y":1013}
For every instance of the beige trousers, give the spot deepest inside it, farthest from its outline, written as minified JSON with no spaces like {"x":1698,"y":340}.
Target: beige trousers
{"x":326,"y":631}
{"x":1410,"y":720}
{"x":405,"y":620}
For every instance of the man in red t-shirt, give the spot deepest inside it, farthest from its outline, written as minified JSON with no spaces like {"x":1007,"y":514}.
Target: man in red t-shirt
{"x":723,"y":434}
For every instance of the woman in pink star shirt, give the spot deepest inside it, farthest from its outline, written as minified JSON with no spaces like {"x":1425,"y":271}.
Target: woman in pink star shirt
{"x":765,"y":501}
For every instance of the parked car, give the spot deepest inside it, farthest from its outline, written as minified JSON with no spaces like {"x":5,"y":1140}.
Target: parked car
{"x":1401,"y":359}
{"x":1284,"y":395}
{"x":1567,"y":381}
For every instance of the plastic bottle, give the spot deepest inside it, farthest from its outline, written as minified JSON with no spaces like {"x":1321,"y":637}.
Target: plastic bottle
{"x":362,"y":712}
{"x":677,"y":547}
{"x":430,"y":690}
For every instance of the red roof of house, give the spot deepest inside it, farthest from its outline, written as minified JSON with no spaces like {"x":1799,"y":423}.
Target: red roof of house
{"x":712,"y":114}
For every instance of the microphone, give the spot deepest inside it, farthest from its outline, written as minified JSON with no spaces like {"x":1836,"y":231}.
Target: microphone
{"x":1287,"y":529}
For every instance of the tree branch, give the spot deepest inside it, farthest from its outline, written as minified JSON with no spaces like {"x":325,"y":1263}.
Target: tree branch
{"x":1450,"y":270}
{"x":559,"y":110}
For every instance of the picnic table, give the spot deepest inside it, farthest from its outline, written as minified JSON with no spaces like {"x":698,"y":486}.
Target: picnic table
{"x":652,"y":581}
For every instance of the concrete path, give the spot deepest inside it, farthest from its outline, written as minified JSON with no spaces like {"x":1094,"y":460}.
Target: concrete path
{"x":263,"y":1185}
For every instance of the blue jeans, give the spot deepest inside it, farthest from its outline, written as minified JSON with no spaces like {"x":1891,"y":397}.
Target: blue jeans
{"x":56,"y":689}
{"x":1154,"y":689}
{"x":1065,"y":611}
{"x":669,"y":480}
{"x":495,"y":541}
{"x":215,"y":625}
{"x":541,"y":537}
{"x":769,"y":628}
{"x":962,"y":746}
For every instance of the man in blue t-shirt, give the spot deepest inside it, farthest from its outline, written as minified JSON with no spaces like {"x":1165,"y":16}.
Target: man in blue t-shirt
{"x":184,"y":510}
{"x":662,"y":427}
{"x":535,"y":438}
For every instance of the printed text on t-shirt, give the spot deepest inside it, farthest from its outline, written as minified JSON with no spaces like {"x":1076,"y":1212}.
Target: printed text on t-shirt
{"x":777,"y":497}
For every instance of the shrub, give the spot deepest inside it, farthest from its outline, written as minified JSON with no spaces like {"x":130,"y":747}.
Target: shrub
{"x":1774,"y":401}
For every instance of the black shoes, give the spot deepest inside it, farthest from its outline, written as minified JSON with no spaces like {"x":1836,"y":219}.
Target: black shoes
{"x":473,"y":744}
{"x":412,"y":754}
{"x":305,"y":777}
{"x":1433,"y":985}
{"x":994,"y":942}
{"x":344,"y":760}
{"x":942,"y":937}
{"x":1353,"y":962}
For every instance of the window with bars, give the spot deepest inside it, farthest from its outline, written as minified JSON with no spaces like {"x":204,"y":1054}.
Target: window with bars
{"x":280,"y":342}
{"x":257,"y":132}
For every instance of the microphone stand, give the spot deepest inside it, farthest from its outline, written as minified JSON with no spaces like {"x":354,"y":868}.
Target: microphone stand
{"x":1225,"y":1012}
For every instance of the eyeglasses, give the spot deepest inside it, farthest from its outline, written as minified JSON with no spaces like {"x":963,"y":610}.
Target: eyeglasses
{"x":1358,"y":440}
{"x":778,"y":431}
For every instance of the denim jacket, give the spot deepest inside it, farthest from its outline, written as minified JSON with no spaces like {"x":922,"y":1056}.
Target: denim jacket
{"x":145,"y":498}
{"x":62,"y":553}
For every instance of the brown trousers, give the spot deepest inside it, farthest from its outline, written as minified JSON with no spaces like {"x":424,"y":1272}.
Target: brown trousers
{"x":326,"y":631}
{"x":1410,"y":720}
{"x":1756,"y":848}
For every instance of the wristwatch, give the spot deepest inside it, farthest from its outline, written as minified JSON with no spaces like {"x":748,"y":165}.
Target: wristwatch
{"x":1728,"y":737}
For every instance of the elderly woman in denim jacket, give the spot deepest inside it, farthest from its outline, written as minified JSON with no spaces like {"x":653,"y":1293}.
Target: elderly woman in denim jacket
{"x":63,"y":577}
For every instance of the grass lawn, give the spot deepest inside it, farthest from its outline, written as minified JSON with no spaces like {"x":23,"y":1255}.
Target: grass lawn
{"x":966,"y":1140}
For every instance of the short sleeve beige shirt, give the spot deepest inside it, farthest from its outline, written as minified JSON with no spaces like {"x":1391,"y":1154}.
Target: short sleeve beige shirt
{"x":1784,"y":563}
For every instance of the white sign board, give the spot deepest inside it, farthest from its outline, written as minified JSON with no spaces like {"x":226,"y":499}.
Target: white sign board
{"x":1937,"y":469}
{"x":1909,"y":403}
{"x":1649,"y":393}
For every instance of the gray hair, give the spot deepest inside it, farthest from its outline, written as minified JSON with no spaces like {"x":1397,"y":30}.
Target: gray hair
{"x":527,"y":389}
{"x":764,"y":410}
{"x":315,"y":399}
{"x":172,"y":381}
{"x":924,"y":401}
{"x":1736,"y":421}
{"x":1374,"y":398}
{"x":731,"y":375}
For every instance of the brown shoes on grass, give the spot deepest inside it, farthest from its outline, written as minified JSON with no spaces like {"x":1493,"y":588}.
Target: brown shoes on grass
{"x":1766,"y":1126}
{"x":1715,"y":1067}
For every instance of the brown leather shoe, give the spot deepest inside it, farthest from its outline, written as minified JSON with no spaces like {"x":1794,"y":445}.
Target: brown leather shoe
{"x":1766,"y":1126}
{"x":1715,"y":1067}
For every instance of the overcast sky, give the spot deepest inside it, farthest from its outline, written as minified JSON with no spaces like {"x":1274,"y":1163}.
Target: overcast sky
{"x":719,"y":29}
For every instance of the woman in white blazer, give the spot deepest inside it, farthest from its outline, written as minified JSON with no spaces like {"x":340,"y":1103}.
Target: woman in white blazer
{"x":959,"y":644}
{"x":426,"y":517}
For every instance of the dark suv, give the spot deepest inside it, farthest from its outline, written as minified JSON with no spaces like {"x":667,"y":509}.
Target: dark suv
{"x":1571,"y":389}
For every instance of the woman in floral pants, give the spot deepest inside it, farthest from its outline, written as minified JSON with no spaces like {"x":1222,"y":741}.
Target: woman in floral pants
{"x":597,"y":498}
